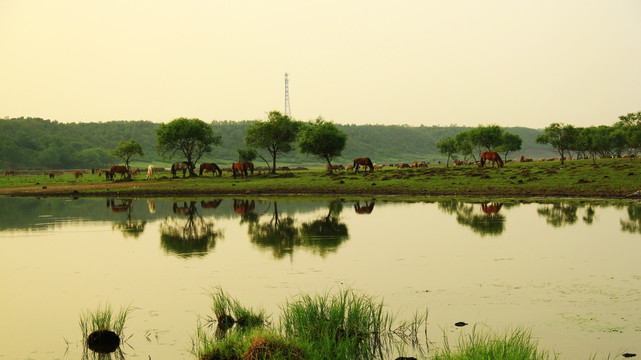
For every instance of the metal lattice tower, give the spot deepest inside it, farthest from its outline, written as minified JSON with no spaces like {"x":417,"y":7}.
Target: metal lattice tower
{"x":288,"y":109}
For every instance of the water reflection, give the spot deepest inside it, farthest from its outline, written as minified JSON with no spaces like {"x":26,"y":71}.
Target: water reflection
{"x":633,"y":223}
{"x":281,"y":235}
{"x":190,"y":236}
{"x":559,"y":214}
{"x":487,"y":221}
{"x":245,"y":208}
{"x":365,"y":209}
{"x":128,"y":226}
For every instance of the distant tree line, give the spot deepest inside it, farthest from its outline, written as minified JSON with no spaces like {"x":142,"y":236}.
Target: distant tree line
{"x":34,"y":143}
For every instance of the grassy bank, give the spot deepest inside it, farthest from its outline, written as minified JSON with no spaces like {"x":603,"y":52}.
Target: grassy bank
{"x":608,"y":178}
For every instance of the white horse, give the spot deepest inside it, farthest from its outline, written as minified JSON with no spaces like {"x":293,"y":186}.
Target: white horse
{"x":150,"y":172}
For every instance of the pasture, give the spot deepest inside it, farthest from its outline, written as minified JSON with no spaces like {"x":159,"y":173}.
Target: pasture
{"x":608,"y":178}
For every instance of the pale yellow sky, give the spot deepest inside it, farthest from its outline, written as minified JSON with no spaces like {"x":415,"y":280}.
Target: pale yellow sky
{"x":465,"y":62}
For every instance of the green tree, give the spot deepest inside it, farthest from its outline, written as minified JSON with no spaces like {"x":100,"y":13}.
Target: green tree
{"x":190,"y":137}
{"x":560,"y":136}
{"x":246,"y":155}
{"x":509,"y":142}
{"x":447,"y":146}
{"x":276,"y":135}
{"x":322,"y":139}
{"x":487,"y":138}
{"x":127,"y":150}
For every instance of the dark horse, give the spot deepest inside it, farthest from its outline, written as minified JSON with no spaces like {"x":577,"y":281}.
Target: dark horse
{"x":211,"y":167}
{"x":492,"y":156}
{"x":250,"y":167}
{"x":367,"y":209}
{"x":365,"y":162}
{"x":184,"y":166}
{"x":239,"y":168}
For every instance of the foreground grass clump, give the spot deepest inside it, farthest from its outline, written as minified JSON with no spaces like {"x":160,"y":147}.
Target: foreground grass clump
{"x":102,"y":329}
{"x":513,"y":345}
{"x":344,"y":325}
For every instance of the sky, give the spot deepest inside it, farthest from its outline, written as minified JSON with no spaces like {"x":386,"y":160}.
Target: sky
{"x":425,"y":62}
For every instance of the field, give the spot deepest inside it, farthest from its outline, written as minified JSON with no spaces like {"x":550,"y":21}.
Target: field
{"x":608,"y":178}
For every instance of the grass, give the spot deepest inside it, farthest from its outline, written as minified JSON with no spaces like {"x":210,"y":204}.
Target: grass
{"x":104,"y":318}
{"x":341,"y":325}
{"x":512,"y":345}
{"x":610,"y":178}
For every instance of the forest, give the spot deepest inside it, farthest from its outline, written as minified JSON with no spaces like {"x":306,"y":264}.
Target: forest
{"x":35,"y":143}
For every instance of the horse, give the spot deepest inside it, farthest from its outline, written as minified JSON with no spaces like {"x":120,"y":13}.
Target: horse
{"x":51,"y":175}
{"x":284,"y":168}
{"x":365,"y":162}
{"x":367,"y":209}
{"x":250,"y":166}
{"x":244,"y":206}
{"x":118,"y":169}
{"x":185,"y":209}
{"x":150,"y":172}
{"x":9,"y":172}
{"x":211,"y":204}
{"x":184,"y":166}
{"x":124,"y":206}
{"x":210,"y":167}
{"x":77,"y":173}
{"x":492,"y":156}
{"x":99,"y":172}
{"x":239,"y":168}
{"x":492,"y":208}
{"x":108,"y":175}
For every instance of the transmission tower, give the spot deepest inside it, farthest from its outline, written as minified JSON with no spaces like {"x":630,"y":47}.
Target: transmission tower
{"x":288,"y":109}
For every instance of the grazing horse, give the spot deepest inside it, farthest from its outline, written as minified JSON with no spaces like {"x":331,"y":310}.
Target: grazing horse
{"x":367,"y":209}
{"x":124,"y":206}
{"x":118,"y":169}
{"x":211,"y":204}
{"x":239,"y":168}
{"x":150,"y":172}
{"x":51,"y":175}
{"x":77,"y":173}
{"x":250,"y":167}
{"x":492,"y":156}
{"x":210,"y":167}
{"x":492,"y":208}
{"x":179,"y":166}
{"x":10,"y":172}
{"x":365,"y":162}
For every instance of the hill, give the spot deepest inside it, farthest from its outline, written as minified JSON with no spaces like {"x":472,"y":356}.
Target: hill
{"x":34,"y":143}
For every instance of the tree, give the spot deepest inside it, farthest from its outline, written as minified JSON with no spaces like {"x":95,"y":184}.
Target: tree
{"x":190,"y":137}
{"x":127,"y":150}
{"x":276,"y":135}
{"x":560,"y":136}
{"x":322,"y":139}
{"x":447,"y":146}
{"x":246,"y":155}
{"x":509,"y":142}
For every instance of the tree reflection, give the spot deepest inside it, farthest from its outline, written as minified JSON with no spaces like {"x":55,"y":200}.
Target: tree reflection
{"x":559,"y":214}
{"x":327,"y":233}
{"x":279,"y":234}
{"x":128,"y":226}
{"x":633,"y":224}
{"x":488,"y":222}
{"x":193,"y":237}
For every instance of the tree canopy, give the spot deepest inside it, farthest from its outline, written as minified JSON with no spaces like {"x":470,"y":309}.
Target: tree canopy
{"x":322,"y":139}
{"x":192,"y":138}
{"x":276,"y":135}
{"x":127,"y":150}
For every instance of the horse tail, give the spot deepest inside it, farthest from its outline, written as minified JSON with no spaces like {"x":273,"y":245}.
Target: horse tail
{"x":201,"y":170}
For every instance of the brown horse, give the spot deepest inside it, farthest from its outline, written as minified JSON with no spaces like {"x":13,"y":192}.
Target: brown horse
{"x":210,"y":167}
{"x":367,"y":209}
{"x":250,"y":167}
{"x":51,"y":175}
{"x":118,"y":169}
{"x":244,"y":206}
{"x":211,"y":204}
{"x":125,"y":205}
{"x":365,"y":162}
{"x":492,"y":156}
{"x":77,"y":173}
{"x":492,"y":208}
{"x":239,"y":168}
{"x":185,"y":209}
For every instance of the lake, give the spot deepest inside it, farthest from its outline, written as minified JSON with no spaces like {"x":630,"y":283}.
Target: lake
{"x":568,"y":271}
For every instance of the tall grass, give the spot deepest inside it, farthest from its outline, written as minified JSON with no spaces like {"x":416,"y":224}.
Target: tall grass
{"x":484,"y":344}
{"x":104,"y":318}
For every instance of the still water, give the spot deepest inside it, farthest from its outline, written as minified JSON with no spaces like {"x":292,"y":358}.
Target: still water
{"x":569,"y":272}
